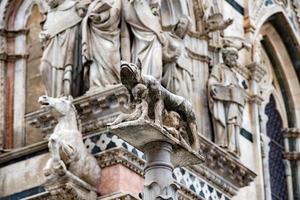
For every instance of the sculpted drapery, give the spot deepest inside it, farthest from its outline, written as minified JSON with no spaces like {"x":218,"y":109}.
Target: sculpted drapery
{"x":177,"y":70}
{"x":59,"y":34}
{"x":147,"y":39}
{"x":226,"y":102}
{"x":101,"y":43}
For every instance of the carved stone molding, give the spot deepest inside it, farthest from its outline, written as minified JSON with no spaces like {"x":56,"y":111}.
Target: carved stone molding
{"x":95,"y":110}
{"x":185,"y":194}
{"x":121,"y":156}
{"x":225,"y":165}
{"x":220,"y":182}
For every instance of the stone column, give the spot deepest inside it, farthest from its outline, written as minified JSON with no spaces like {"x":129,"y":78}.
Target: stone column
{"x":292,"y":156}
{"x":162,"y":151}
{"x":256,"y":74}
{"x":159,"y":182}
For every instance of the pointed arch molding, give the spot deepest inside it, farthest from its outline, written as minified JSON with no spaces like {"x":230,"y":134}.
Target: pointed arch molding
{"x":13,"y":54}
{"x":286,"y":68}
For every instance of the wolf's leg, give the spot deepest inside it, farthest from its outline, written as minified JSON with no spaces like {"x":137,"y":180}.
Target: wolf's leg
{"x":158,"y":111}
{"x":195,"y":139}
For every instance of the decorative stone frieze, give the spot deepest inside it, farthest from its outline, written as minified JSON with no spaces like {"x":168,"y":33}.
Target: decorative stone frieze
{"x":225,"y":165}
{"x":122,"y":156}
{"x":185,"y":194}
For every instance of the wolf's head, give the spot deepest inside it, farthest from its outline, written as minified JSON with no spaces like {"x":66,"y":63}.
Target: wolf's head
{"x":130,"y":74}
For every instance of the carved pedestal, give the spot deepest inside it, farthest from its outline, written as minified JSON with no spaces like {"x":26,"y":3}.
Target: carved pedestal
{"x":163,"y":151}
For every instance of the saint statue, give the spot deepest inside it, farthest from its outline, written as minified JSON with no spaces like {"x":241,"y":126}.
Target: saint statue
{"x":141,"y":22}
{"x":177,"y":71}
{"x":59,"y":37}
{"x":226,"y":102}
{"x":101,"y":43}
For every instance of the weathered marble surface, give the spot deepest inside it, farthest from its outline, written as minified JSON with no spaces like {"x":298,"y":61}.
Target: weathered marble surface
{"x":69,"y":156}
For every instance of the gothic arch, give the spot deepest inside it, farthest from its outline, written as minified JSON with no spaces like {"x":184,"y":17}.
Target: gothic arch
{"x":283,"y":85}
{"x":286,"y":67}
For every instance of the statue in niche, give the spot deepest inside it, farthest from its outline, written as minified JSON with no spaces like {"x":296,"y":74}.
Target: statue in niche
{"x":155,"y":103}
{"x":143,"y":26}
{"x":226,"y":102}
{"x":69,"y":155}
{"x":59,"y":39}
{"x":177,"y":72}
{"x":101,"y":43}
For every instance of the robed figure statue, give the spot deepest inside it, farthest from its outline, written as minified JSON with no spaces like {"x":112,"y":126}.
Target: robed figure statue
{"x":140,"y":21}
{"x":101,"y":44}
{"x":59,"y":37}
{"x":226,"y":102}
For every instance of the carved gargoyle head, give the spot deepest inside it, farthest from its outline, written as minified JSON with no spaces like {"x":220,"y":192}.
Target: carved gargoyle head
{"x":62,"y":106}
{"x":130,"y":74}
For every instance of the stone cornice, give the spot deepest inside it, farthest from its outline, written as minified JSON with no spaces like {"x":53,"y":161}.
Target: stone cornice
{"x":221,"y":183}
{"x":185,"y":194}
{"x":121,"y":156}
{"x":225,"y":165}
